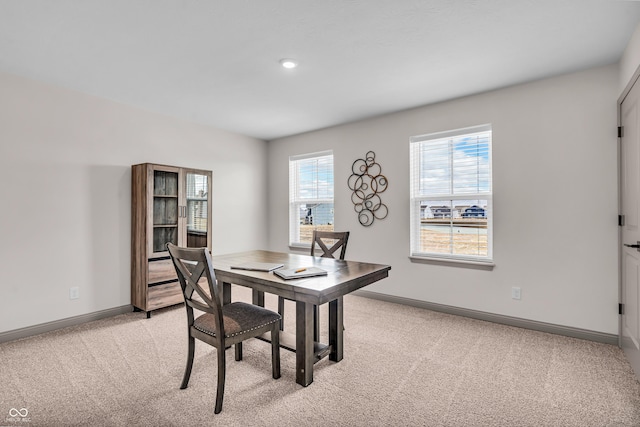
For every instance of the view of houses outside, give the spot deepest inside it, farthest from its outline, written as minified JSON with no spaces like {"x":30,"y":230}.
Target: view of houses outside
{"x":458,"y":227}
{"x":315,"y":216}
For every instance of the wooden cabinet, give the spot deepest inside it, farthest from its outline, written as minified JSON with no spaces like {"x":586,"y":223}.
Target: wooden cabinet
{"x":168,"y":204}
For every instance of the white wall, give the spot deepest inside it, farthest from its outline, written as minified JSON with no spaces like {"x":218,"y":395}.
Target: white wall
{"x":630,"y":59}
{"x":65,"y":190}
{"x":555,"y":199}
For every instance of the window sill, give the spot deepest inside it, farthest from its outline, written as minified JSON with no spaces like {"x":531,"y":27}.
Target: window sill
{"x":300,"y":247}
{"x":479,"y":265}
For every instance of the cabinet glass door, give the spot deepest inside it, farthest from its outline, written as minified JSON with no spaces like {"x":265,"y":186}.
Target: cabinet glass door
{"x":165,"y":209}
{"x":197,"y":195}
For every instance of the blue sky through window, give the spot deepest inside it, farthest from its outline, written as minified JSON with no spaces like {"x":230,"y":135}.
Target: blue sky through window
{"x":455,"y":166}
{"x":315,"y":178}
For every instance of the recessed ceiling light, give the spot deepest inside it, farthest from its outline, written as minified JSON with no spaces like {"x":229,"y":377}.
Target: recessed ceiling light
{"x":289,"y":63}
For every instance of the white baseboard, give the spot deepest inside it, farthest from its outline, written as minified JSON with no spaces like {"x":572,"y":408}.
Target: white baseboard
{"x":497,"y":318}
{"x":62,"y":323}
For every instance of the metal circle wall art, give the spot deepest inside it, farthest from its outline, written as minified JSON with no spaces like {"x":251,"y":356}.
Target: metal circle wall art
{"x":367,"y":182}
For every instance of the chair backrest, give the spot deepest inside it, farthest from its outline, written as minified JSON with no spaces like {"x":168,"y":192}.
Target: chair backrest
{"x":340,"y":238}
{"x":192,"y":264}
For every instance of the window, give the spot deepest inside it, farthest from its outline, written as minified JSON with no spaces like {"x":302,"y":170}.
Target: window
{"x":310,"y":196}
{"x":197,"y":194}
{"x":451,"y":195}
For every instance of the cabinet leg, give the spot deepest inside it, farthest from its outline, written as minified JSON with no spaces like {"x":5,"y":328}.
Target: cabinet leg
{"x":148,"y":313}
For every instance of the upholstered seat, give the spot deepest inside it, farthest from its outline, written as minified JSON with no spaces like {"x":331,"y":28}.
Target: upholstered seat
{"x":239,"y":318}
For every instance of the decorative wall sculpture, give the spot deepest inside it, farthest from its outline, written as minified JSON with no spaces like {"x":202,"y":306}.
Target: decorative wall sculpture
{"x":367,"y":182}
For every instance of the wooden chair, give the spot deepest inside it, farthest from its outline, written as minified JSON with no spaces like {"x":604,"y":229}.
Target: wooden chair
{"x":238,"y":321}
{"x":340,"y":239}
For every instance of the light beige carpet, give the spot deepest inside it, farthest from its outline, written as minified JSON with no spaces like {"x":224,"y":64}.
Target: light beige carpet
{"x":402,"y":366}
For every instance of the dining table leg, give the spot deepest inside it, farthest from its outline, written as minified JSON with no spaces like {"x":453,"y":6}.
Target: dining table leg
{"x":305,"y":356}
{"x":257,"y":298}
{"x":336,"y":329}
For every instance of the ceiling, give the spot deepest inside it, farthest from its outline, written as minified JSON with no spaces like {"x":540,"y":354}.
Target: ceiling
{"x":217,"y":62}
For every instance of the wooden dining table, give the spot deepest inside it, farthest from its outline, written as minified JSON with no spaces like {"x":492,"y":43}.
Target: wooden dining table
{"x":342,"y":277}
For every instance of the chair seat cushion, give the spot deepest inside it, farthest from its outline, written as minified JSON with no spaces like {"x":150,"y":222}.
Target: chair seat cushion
{"x":239,"y":318}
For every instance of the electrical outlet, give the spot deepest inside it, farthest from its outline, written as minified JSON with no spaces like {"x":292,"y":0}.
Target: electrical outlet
{"x":74,"y":292}
{"x":515,"y":292}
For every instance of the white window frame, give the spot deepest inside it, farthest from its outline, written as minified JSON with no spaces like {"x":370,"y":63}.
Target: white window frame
{"x":417,"y":198}
{"x":296,"y":199}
